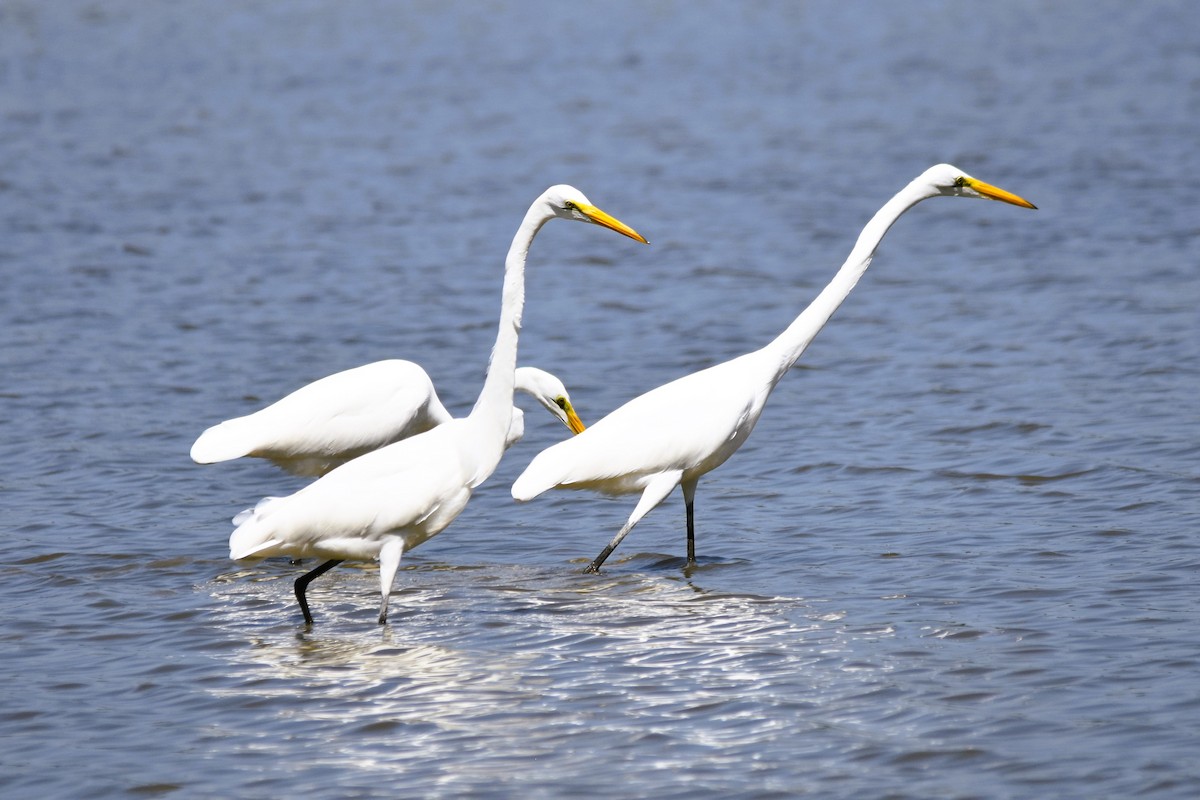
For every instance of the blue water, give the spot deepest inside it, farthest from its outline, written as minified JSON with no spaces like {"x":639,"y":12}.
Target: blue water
{"x":957,"y":558}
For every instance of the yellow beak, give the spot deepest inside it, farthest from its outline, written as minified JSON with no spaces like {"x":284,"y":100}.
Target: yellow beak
{"x":612,"y":223}
{"x":573,"y":421}
{"x":995,"y":193}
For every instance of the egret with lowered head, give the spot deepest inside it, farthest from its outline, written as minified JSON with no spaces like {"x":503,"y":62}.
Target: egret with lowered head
{"x":340,"y":417}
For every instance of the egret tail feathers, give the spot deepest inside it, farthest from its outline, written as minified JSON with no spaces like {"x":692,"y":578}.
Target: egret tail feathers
{"x":223,"y":442}
{"x":261,"y":505}
{"x":238,"y":555}
{"x":550,"y":468}
{"x":529,"y":485}
{"x":252,"y":535}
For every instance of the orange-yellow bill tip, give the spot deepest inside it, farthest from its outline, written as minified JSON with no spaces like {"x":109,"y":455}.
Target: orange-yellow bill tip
{"x":612,"y":223}
{"x":574,"y":422}
{"x":996,"y":193}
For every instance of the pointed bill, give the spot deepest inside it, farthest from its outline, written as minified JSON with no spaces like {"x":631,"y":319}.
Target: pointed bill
{"x":612,"y":223}
{"x":573,"y":421}
{"x":996,"y":193}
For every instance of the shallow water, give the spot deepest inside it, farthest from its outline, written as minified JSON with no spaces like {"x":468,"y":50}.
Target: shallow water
{"x":956,"y":559}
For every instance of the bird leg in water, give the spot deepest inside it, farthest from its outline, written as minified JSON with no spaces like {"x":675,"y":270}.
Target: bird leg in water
{"x":304,"y":580}
{"x":655,"y":492}
{"x":594,"y":567}
{"x":691,"y":542}
{"x":389,"y":562}
{"x":689,"y":504}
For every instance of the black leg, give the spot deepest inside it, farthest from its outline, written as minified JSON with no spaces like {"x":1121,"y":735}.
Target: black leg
{"x":594,"y":567}
{"x":304,"y":580}
{"x":655,"y":492}
{"x":691,"y":526}
{"x":689,"y":504}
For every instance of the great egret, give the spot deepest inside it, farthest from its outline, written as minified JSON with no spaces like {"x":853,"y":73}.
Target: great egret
{"x":341,"y":416}
{"x":390,"y":500}
{"x":673,"y":435}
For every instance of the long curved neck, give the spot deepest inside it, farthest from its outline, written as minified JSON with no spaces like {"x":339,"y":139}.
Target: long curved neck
{"x":494,"y":406}
{"x":791,"y":344}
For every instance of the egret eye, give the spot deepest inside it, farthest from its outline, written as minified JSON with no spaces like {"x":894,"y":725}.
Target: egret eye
{"x":960,"y":181}
{"x":561,"y":402}
{"x":568,"y":205}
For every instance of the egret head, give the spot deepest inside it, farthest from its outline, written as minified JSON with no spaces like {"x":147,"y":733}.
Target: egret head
{"x":948,"y":180}
{"x":567,"y":202}
{"x":550,"y":392}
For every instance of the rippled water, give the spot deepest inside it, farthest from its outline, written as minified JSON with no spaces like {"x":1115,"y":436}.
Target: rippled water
{"x":958,"y":557}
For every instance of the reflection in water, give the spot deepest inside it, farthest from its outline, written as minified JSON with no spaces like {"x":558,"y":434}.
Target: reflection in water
{"x":622,"y":655}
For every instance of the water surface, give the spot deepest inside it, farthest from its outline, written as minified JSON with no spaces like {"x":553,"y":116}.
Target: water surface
{"x":956,"y":559}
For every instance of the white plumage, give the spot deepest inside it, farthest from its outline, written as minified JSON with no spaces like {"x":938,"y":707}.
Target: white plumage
{"x":392,"y":499}
{"x":673,"y":435}
{"x":335,"y":419}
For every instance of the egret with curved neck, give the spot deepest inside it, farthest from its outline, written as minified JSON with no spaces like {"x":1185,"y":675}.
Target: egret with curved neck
{"x":673,"y":435}
{"x":388,"y":501}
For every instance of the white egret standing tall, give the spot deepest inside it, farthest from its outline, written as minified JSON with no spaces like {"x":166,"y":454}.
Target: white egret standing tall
{"x":330,"y":421}
{"x":390,"y":500}
{"x":673,"y":435}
